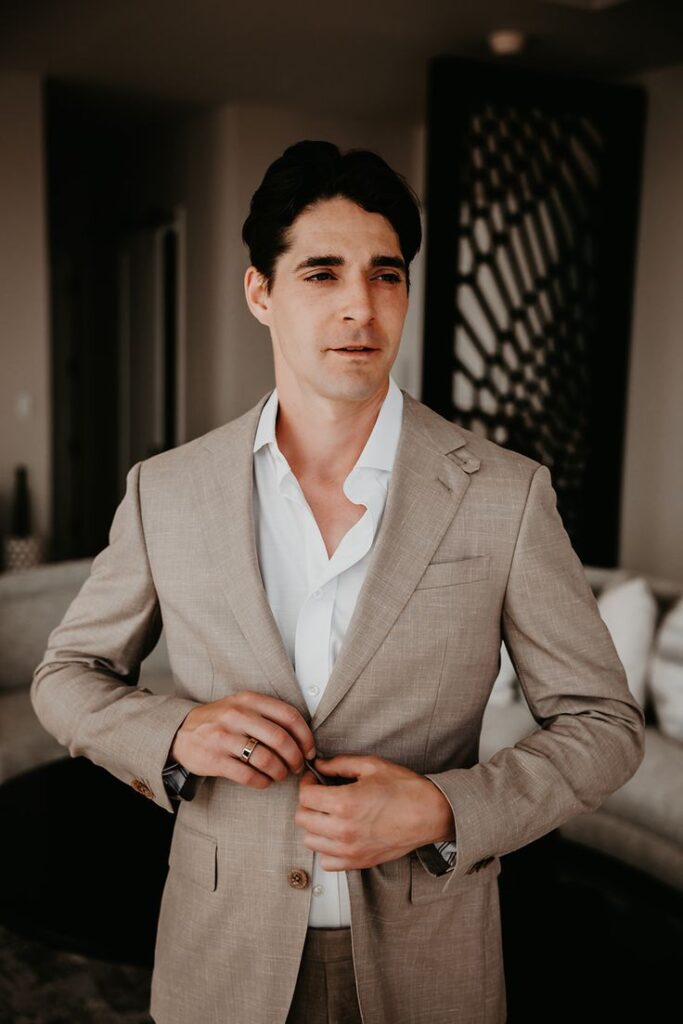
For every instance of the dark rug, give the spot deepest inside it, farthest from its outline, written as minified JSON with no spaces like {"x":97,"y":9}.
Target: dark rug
{"x":40,"y":985}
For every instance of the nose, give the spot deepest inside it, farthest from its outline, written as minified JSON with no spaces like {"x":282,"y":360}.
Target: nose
{"x":357,"y":303}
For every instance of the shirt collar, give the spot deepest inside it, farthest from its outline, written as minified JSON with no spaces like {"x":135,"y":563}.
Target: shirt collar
{"x":380,"y":448}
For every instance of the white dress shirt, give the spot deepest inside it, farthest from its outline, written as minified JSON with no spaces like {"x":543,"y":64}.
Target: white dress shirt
{"x":312,"y":596}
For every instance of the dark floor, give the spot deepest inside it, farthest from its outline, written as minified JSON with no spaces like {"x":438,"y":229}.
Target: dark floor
{"x":585,"y":939}
{"x":41,"y":985}
{"x":597,"y":942}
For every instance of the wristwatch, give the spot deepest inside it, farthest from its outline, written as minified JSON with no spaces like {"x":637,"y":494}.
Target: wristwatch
{"x":440,"y":857}
{"x":179,"y":783}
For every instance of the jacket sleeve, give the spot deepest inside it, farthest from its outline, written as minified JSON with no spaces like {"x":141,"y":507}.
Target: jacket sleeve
{"x":85,"y":689}
{"x":592,"y":734}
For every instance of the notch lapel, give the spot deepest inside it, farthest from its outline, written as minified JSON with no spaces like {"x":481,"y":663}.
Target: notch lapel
{"x":426,"y":488}
{"x":223,"y":482}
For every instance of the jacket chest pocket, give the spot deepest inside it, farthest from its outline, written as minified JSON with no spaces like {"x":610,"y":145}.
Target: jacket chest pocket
{"x":449,"y":574}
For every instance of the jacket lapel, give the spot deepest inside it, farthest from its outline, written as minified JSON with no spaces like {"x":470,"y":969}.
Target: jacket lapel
{"x":223,"y":480}
{"x":427,"y":485}
{"x":425,"y":491}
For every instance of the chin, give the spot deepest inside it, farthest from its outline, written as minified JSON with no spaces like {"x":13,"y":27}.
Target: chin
{"x":355,"y":386}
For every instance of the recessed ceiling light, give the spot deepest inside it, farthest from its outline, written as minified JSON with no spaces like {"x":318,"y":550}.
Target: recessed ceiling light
{"x":505,"y":41}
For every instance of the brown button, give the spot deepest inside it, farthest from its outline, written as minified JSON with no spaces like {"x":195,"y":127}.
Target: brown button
{"x":297,"y":878}
{"x":140,"y":787}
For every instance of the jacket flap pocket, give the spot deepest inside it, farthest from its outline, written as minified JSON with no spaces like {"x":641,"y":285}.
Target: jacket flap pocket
{"x":194,"y":855}
{"x":425,"y":888}
{"x":446,"y":574}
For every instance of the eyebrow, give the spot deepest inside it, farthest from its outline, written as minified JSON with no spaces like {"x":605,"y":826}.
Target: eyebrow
{"x":339,"y":261}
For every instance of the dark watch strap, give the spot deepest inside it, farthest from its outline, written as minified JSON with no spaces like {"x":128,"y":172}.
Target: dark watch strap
{"x":179,"y":783}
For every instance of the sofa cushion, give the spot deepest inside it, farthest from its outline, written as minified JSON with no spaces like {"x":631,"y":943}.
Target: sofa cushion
{"x":651,"y":798}
{"x":32,"y":603}
{"x":628,"y":842}
{"x":23,"y":741}
{"x":505,"y":688}
{"x":629,"y":610}
{"x":666,"y":674}
{"x":503,"y":726}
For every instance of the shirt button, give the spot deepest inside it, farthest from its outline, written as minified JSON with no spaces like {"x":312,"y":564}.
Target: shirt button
{"x":317,"y":593}
{"x":318,"y":890}
{"x":314,"y":690}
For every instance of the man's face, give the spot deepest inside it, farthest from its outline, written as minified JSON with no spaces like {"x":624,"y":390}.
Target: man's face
{"x":341,"y":283}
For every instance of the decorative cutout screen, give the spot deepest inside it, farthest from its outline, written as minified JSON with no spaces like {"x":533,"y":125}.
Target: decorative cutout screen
{"x":518,"y":267}
{"x":525,"y":284}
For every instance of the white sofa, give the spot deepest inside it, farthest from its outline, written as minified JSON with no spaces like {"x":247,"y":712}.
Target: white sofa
{"x":32,"y":603}
{"x":641,"y":823}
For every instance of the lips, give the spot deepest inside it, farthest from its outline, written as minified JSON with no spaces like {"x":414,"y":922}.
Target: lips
{"x":355,"y":348}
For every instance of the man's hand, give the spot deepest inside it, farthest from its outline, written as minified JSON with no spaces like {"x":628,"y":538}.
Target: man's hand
{"x":212,"y":737}
{"x":388,"y":811}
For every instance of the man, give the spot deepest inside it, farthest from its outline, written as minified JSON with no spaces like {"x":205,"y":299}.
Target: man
{"x":335,"y":570}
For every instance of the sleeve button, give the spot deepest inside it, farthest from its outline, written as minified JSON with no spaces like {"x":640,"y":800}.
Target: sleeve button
{"x":140,"y":787}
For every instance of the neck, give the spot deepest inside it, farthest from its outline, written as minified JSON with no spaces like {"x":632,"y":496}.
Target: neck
{"x":323,"y":440}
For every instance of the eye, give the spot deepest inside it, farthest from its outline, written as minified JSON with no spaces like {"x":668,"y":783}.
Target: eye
{"x":393,"y":278}
{"x":321,"y":273}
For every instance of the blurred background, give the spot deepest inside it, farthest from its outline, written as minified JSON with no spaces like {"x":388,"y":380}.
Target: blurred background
{"x":545,"y":141}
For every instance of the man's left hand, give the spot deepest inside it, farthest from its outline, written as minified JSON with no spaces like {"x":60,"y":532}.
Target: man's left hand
{"x":388,"y":811}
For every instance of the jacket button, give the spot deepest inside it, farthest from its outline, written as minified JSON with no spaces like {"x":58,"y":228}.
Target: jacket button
{"x":297,"y":878}
{"x":140,"y":787}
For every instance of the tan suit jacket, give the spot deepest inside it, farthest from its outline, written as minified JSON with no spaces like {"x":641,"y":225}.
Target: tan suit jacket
{"x":471,"y":548}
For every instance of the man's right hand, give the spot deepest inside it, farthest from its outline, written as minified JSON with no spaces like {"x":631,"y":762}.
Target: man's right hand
{"x":212,"y":737}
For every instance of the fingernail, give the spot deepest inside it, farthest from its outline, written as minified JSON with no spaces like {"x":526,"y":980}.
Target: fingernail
{"x":311,"y":754}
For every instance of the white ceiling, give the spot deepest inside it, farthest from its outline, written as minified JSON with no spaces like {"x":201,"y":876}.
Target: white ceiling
{"x":365,"y":58}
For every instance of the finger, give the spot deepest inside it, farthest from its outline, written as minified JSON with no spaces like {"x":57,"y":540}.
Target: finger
{"x":319,"y":824}
{"x":244,"y":723}
{"x":335,"y":864}
{"x":327,"y":799}
{"x":243,"y":774}
{"x":325,"y":845}
{"x":285,"y":715}
{"x":262,"y":758}
{"x":345,"y":765}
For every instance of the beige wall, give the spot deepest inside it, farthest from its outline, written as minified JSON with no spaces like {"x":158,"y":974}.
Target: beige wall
{"x":652,"y":500}
{"x":24,"y":338}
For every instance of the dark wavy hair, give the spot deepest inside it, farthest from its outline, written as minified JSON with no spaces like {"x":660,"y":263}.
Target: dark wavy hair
{"x":310,"y":171}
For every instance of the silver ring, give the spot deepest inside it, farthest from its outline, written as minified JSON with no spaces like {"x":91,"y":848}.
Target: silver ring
{"x":248,"y":749}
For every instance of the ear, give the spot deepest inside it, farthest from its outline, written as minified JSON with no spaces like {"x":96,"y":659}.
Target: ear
{"x":256,"y":295}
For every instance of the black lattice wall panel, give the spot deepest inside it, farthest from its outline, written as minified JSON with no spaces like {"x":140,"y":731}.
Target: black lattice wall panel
{"x":515,"y":340}
{"x":524,"y":295}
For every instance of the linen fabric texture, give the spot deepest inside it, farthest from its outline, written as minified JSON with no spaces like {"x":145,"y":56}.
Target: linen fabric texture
{"x":312,"y":596}
{"x":471,"y":551}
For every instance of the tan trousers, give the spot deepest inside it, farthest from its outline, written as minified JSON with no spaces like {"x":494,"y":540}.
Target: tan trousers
{"x":325,"y":991}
